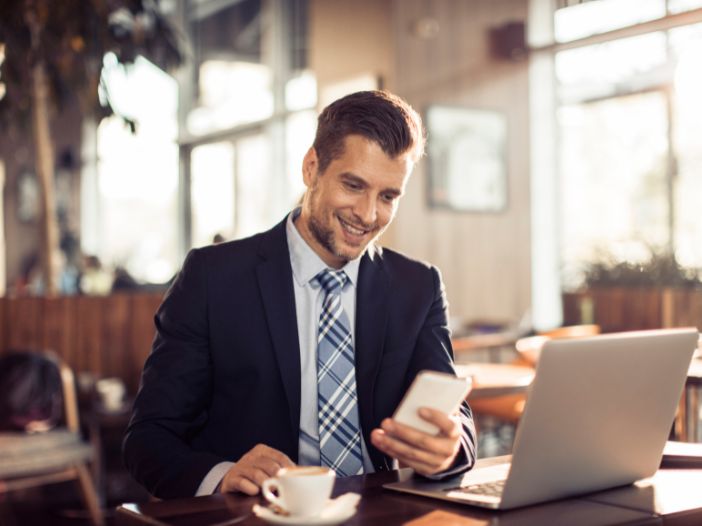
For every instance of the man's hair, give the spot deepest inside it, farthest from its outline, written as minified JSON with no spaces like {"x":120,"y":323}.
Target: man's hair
{"x":379,"y":116}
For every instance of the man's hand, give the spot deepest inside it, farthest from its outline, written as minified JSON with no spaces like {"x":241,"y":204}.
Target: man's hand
{"x":253,"y":468}
{"x":427,"y":454}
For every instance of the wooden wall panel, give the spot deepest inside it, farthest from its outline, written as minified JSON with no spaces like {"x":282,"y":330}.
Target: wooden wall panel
{"x":23,"y":317}
{"x":685,"y":308}
{"x":57,"y":327}
{"x":88,"y":326}
{"x":115,"y":335}
{"x":141,"y":335}
{"x":617,"y":309}
{"x":105,"y":336}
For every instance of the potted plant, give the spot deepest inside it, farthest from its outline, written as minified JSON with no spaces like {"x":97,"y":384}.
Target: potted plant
{"x":622,"y":295}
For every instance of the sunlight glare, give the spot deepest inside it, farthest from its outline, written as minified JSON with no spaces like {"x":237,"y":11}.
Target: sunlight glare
{"x":688,"y":81}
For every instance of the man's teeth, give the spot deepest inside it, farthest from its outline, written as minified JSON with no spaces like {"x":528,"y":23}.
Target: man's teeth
{"x":353,"y":230}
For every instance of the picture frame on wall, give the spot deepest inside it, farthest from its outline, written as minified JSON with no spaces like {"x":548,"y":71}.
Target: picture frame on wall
{"x":466,"y":150}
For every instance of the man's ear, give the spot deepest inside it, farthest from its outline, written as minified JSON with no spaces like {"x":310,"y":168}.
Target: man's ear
{"x":310,"y":165}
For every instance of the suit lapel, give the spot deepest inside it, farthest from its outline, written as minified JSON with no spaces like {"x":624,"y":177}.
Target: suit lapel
{"x":275,"y":282}
{"x":371,"y":321}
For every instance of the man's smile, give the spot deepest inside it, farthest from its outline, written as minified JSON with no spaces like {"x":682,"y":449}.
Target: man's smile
{"x":352,"y":230}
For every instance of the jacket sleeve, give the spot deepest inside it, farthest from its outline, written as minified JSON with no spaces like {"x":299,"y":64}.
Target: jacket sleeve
{"x":433,"y":351}
{"x":175,"y":390}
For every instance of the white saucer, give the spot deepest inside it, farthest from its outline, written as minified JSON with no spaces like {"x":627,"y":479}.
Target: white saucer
{"x":336,"y":511}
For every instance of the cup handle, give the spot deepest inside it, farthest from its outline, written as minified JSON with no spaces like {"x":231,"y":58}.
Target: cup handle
{"x":267,"y":488}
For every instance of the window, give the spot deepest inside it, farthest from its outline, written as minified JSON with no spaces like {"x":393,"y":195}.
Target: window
{"x":219,"y":151}
{"x":687,"y":142}
{"x":212,"y":192}
{"x":629,"y":149}
{"x":598,"y":16}
{"x":613,"y":178}
{"x":252,"y":116}
{"x":137,"y":176}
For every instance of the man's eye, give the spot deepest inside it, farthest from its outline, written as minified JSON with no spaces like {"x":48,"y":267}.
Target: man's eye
{"x":388,"y":198}
{"x":353,"y":186}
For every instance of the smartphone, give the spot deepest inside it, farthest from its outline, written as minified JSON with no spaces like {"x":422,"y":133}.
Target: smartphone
{"x":439,"y":391}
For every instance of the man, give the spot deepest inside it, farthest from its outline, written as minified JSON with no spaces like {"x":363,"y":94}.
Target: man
{"x":296,"y":345}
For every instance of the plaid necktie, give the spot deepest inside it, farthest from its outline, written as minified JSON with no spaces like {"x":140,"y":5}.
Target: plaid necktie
{"x":339,"y":429}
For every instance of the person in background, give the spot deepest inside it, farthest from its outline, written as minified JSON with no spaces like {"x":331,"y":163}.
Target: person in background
{"x":297,"y":344}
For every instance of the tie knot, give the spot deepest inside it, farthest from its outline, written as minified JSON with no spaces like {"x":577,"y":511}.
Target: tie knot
{"x":332,"y":281}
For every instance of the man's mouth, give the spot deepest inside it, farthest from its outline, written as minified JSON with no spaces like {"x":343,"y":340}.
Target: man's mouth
{"x":353,"y":230}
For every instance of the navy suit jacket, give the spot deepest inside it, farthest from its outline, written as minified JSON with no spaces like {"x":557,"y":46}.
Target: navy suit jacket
{"x":224,"y":371}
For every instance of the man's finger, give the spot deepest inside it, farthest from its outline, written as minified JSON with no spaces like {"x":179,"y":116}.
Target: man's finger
{"x":446,"y":424}
{"x":404,"y":452}
{"x":258,"y":476}
{"x":269,"y":466}
{"x":246,"y":486}
{"x":238,"y":483}
{"x":419,"y":466}
{"x":278,"y":456}
{"x":418,"y":439}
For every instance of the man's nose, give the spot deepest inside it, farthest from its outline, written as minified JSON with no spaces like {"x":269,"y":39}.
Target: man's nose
{"x":367,"y":210}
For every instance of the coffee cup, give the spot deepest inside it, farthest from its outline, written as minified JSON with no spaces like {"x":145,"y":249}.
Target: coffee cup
{"x":302,"y":491}
{"x":111,"y":391}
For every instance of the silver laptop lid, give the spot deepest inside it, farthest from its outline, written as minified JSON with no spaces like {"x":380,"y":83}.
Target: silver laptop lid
{"x":598,"y":414}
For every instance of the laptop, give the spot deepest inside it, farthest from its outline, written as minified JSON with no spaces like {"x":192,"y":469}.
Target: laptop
{"x":597,"y":416}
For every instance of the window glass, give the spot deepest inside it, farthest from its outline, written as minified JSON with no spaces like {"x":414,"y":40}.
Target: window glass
{"x":682,"y":39}
{"x":231,"y":93}
{"x":254,"y":88}
{"x":599,"y":16}
{"x":233,"y":68}
{"x":255,"y":187}
{"x":212,"y":192}
{"x":688,"y":146}
{"x":301,"y":92}
{"x":678,"y":6}
{"x":138,"y":173}
{"x":599,"y":70}
{"x":299,"y":135}
{"x":613,"y":179}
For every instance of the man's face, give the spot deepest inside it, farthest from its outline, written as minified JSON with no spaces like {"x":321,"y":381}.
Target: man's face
{"x":352,"y":202}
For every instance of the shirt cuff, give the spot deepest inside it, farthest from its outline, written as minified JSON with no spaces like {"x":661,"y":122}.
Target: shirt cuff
{"x":213,"y":478}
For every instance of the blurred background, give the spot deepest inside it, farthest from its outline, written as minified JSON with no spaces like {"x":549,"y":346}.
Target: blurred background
{"x":561,"y":185}
{"x":561,"y":135}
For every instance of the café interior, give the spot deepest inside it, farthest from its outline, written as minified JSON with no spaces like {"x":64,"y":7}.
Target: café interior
{"x":559,"y":194}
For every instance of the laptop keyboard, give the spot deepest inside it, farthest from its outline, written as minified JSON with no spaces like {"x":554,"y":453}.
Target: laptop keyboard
{"x":490,"y":489}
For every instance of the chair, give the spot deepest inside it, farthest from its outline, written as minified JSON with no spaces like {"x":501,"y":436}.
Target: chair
{"x":530,"y":346}
{"x":36,"y":459}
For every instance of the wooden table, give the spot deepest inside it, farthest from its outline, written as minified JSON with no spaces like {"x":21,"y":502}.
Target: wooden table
{"x":672,"y":495}
{"x":466,"y":347}
{"x":496,"y":379}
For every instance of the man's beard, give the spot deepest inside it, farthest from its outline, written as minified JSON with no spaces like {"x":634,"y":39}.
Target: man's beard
{"x":325,"y":237}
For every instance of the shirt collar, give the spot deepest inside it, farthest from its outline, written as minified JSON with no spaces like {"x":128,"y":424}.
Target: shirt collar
{"x":306,"y":264}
